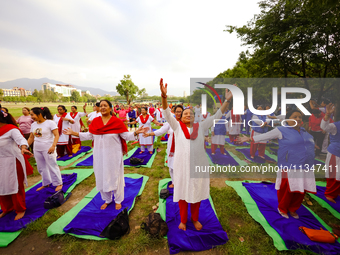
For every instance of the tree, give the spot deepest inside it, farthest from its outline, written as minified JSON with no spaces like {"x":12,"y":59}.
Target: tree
{"x":128,"y":89}
{"x":75,"y":96}
{"x":1,"y":93}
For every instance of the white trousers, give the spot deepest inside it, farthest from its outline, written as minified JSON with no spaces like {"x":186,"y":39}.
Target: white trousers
{"x":171,"y":171}
{"x":150,"y":147}
{"x":48,"y":168}
{"x":107,"y":196}
{"x":325,"y":143}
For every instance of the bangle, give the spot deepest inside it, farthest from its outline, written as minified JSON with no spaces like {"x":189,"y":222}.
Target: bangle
{"x":164,"y":96}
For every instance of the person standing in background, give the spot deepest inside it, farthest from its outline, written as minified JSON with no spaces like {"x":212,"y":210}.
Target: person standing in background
{"x":25,"y":121}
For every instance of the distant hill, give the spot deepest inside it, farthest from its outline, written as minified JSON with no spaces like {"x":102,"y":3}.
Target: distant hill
{"x":32,"y":84}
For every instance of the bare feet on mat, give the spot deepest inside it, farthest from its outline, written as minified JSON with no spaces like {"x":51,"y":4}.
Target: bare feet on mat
{"x":70,"y":156}
{"x":197,"y":225}
{"x":182,"y":226}
{"x":171,"y":185}
{"x":331,"y":199}
{"x":103,"y":207}
{"x":262,"y":157}
{"x":141,"y":152}
{"x":251,"y":157}
{"x":42,"y":187}
{"x":118,"y":206}
{"x":284,"y":215}
{"x":294,"y":215}
{"x":58,"y":157}
{"x":151,"y":152}
{"x":59,"y":187}
{"x":19,"y":215}
{"x":2,"y":214}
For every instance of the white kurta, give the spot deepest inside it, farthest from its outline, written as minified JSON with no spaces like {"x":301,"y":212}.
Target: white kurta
{"x":9,"y":153}
{"x":167,"y":129}
{"x":331,"y":129}
{"x":158,"y":115}
{"x":63,"y":139}
{"x":188,"y":155}
{"x":197,"y":114}
{"x":298,"y":180}
{"x":108,"y":163}
{"x":76,"y":126}
{"x":203,"y":118}
{"x":145,"y":141}
{"x":233,"y":128}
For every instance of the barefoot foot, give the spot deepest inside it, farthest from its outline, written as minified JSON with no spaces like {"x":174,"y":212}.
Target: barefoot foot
{"x":59,"y":187}
{"x":284,"y":215}
{"x":150,"y":152}
{"x":103,"y":207}
{"x":141,"y":152}
{"x":197,"y":225}
{"x":118,"y":206}
{"x":294,"y":215}
{"x":42,"y":187}
{"x":19,"y":215}
{"x":331,"y":199}
{"x":182,"y":226}
{"x":171,"y":185}
{"x":3,"y":214}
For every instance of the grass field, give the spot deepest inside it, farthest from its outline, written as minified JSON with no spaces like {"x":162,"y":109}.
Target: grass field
{"x":229,"y":207}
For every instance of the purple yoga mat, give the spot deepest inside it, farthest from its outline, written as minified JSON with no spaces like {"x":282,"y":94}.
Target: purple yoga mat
{"x":34,"y":204}
{"x":265,"y":197}
{"x":82,"y":149}
{"x":257,"y":159}
{"x":321,"y":194}
{"x":243,"y":144}
{"x":221,"y":159}
{"x":145,"y":156}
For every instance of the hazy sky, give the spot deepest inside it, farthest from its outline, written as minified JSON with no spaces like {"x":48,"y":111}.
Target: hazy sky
{"x":94,"y":43}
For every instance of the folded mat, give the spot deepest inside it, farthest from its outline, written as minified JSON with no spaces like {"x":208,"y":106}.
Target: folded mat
{"x":66,"y":160}
{"x":220,"y":159}
{"x":257,"y":159}
{"x":316,"y":161}
{"x":35,"y":205}
{"x":227,"y":139}
{"x":146,"y":156}
{"x":164,"y":139}
{"x":324,"y":202}
{"x":261,"y":202}
{"x":88,"y":160}
{"x":87,"y":221}
{"x":209,"y":236}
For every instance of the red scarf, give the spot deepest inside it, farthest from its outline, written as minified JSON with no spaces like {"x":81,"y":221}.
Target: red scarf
{"x":142,"y":118}
{"x":60,"y":123}
{"x":187,"y":135}
{"x":235,"y":118}
{"x":113,"y":126}
{"x":205,"y":115}
{"x":159,"y":109}
{"x":4,"y":130}
{"x":73,"y":115}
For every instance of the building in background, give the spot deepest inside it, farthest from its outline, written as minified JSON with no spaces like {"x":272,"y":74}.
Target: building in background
{"x":86,"y":92}
{"x":184,"y":94}
{"x":63,"y":89}
{"x":16,"y":92}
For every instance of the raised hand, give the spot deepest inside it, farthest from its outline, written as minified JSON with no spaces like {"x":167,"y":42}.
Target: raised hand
{"x":330,"y":108}
{"x":164,"y":89}
{"x":228,"y":94}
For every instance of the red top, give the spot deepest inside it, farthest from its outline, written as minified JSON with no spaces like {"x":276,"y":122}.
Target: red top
{"x":315,"y":122}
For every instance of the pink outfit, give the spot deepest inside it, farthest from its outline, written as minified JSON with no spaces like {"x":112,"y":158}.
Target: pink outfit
{"x":25,"y":124}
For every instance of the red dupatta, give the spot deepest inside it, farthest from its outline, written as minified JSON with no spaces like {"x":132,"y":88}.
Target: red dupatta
{"x":60,"y":123}
{"x":113,"y":126}
{"x":235,"y":118}
{"x":4,"y":130}
{"x":142,"y":118}
{"x":187,"y":135}
{"x":159,"y":109}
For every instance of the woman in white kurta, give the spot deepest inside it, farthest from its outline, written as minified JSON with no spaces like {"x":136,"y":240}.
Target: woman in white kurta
{"x":109,"y":135}
{"x":167,"y":129}
{"x":12,"y":167}
{"x":145,"y":120}
{"x":63,"y":121}
{"x":190,"y":162}
{"x":197,"y":110}
{"x":76,"y":126}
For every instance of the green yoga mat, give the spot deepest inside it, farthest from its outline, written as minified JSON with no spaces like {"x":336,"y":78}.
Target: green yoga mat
{"x":162,"y":202}
{"x":255,"y":213}
{"x":57,"y":227}
{"x":323,"y":203}
{"x":67,"y":162}
{"x":7,"y":237}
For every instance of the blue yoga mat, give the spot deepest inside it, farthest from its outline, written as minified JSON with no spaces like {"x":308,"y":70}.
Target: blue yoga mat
{"x":91,"y":220}
{"x":82,"y":149}
{"x":86,"y":162}
{"x":243,"y":144}
{"x":221,"y":159}
{"x":209,"y":236}
{"x":257,"y":159}
{"x":34,"y":204}
{"x":321,"y":194}
{"x":265,"y":197}
{"x":145,"y":156}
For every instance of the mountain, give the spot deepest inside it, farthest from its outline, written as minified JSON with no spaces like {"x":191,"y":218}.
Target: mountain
{"x":32,"y":84}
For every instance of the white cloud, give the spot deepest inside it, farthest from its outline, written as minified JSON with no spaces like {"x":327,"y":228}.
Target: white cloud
{"x":94,"y":43}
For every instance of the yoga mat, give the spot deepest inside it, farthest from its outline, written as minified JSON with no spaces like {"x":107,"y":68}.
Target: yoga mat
{"x":221,"y":159}
{"x":211,"y":235}
{"x":134,"y":186}
{"x":261,"y":202}
{"x":36,"y":211}
{"x":148,"y":158}
{"x":66,"y":160}
{"x":227,"y":139}
{"x":164,"y":139}
{"x":322,"y":200}
{"x":316,"y":161}
{"x":257,"y":159}
{"x":88,"y":160}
